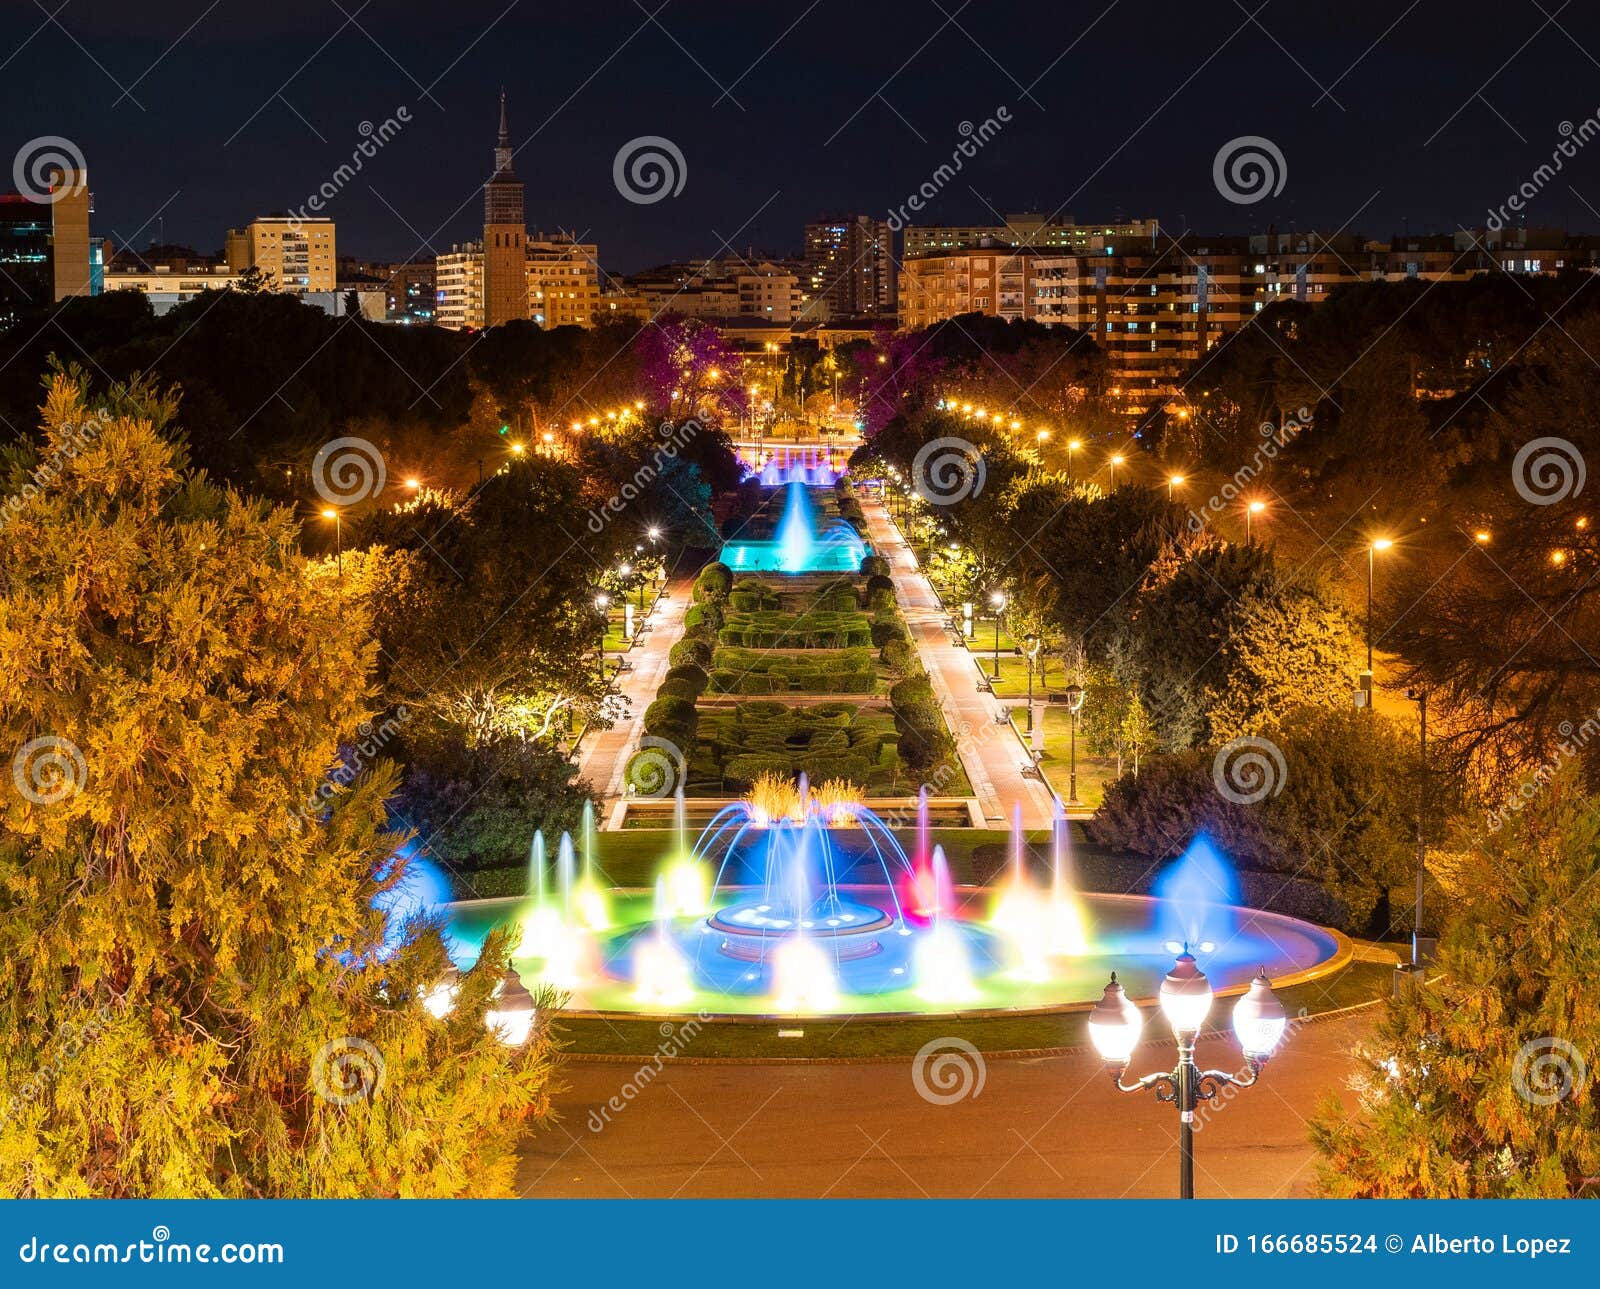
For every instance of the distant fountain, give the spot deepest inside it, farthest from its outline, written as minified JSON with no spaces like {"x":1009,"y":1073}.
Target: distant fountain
{"x":797,"y":546}
{"x":1197,"y":897}
{"x":541,"y":924}
{"x":796,"y":531}
{"x":587,"y":895}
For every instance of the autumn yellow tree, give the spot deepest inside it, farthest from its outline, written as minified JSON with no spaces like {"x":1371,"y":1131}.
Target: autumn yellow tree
{"x":195,"y":996}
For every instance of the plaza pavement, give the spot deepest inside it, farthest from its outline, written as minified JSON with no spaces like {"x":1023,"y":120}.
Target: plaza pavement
{"x":1049,"y":1126}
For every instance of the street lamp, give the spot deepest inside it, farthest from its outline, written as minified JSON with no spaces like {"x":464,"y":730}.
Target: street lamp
{"x":1072,"y":447}
{"x":1253,"y":508}
{"x":1173,"y":481}
{"x":1074,"y":706}
{"x":1115,"y":462}
{"x":998,"y":600}
{"x":1115,"y":1024}
{"x":1421,"y":943}
{"x":601,"y":602}
{"x":338,"y":536}
{"x":1374,"y":546}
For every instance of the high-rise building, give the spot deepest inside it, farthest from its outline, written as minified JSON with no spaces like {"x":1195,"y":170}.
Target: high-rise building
{"x":46,"y":253}
{"x":298,"y":254}
{"x":505,"y":236}
{"x":458,"y":285}
{"x":850,"y":268}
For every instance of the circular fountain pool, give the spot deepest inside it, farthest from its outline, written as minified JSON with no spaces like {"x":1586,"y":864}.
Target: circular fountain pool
{"x":877,"y":972}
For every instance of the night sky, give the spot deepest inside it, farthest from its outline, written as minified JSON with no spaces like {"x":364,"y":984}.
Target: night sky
{"x":1388,"y":117}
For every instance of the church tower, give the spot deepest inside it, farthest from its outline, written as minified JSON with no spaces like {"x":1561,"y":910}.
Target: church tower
{"x":505,"y":237}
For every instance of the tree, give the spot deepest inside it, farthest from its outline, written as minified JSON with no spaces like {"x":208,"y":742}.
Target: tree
{"x":485,"y":612}
{"x":181,"y":946}
{"x":1138,"y":733}
{"x":1474,"y":1084}
{"x":254,"y":281}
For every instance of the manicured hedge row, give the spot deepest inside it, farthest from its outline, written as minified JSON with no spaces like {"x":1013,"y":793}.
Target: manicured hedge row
{"x":844,"y":671}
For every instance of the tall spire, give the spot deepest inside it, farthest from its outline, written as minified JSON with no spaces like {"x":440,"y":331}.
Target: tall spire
{"x":502,"y":149}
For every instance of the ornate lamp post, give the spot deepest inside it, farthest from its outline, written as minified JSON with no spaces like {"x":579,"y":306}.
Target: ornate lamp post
{"x":1115,"y":1023}
{"x":1074,"y":706}
{"x":601,"y":602}
{"x":998,"y":601}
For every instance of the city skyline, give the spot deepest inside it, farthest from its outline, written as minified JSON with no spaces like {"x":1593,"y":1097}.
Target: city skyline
{"x":805,"y":132}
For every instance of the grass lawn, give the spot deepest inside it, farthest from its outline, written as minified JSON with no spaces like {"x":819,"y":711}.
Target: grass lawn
{"x":1094,"y":773}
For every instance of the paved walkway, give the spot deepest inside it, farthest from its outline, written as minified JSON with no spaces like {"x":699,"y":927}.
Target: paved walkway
{"x":1037,"y":1127}
{"x":991,"y":753}
{"x":604,"y":756}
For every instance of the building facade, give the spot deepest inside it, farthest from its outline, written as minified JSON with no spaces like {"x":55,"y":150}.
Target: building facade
{"x":298,"y":254}
{"x":46,"y":253}
{"x":995,"y":281}
{"x":850,"y":266}
{"x":1028,"y":232}
{"x":505,"y":237}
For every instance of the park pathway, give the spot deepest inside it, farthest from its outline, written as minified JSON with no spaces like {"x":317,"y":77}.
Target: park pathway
{"x":991,"y":753}
{"x":603,"y":756}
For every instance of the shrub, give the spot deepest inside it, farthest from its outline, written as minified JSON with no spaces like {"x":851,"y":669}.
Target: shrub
{"x":713,"y":582}
{"x":875,"y":566}
{"x":476,"y":805}
{"x":1343,"y":815}
{"x":706,"y":616}
{"x":885,"y":630}
{"x":882,"y":600}
{"x":678,"y":689}
{"x":879,"y":582}
{"x":899,"y":656}
{"x":691,"y":675}
{"x":691,"y":651}
{"x":668,"y":710}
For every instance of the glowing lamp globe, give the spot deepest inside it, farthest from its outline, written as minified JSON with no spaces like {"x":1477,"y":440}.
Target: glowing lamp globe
{"x":1185,"y":995}
{"x":1259,"y":1019}
{"x":510,"y":1014}
{"x":1114,"y":1025}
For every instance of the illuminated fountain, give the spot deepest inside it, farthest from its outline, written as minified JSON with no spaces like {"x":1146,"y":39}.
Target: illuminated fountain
{"x":799,"y":545}
{"x":802,"y":901}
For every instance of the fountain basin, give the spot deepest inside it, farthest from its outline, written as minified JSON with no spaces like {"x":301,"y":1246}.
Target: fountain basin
{"x":1128,"y":938}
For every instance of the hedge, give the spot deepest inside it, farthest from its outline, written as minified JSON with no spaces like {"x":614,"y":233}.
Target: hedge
{"x":713,"y":583}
